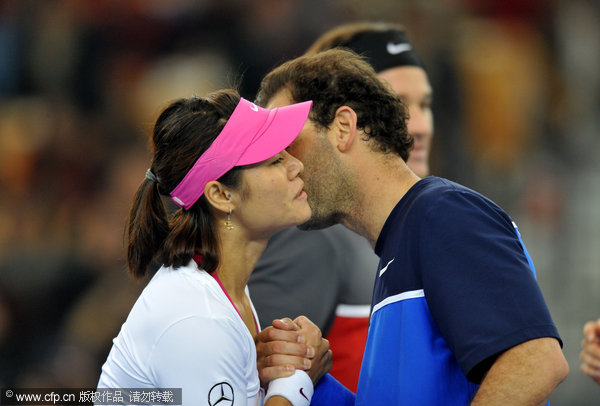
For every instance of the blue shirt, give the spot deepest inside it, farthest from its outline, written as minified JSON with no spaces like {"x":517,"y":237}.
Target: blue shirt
{"x":454,"y":289}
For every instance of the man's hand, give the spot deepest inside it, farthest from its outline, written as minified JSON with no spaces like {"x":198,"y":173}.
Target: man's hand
{"x":321,"y":361}
{"x":590,"y":354}
{"x":290,"y":345}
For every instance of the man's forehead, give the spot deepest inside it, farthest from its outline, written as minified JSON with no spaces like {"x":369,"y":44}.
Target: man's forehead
{"x":282,"y":98}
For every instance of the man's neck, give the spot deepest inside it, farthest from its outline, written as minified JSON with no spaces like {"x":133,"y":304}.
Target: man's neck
{"x":382,"y":186}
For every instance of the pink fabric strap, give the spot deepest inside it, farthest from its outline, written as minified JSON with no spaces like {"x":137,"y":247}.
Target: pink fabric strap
{"x":216,"y":277}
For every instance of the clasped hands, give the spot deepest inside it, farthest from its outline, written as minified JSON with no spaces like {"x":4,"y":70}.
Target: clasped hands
{"x":288,"y":345}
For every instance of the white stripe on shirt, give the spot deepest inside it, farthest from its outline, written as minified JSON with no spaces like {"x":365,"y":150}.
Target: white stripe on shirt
{"x":411,"y":294}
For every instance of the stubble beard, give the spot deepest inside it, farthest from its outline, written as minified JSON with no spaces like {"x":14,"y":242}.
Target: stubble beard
{"x":319,"y":220}
{"x":329,"y":188}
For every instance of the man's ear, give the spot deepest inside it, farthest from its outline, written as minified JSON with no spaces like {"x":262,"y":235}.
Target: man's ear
{"x":344,"y":126}
{"x":218,"y":196}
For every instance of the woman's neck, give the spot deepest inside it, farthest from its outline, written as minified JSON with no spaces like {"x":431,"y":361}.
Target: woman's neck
{"x":238,"y":256}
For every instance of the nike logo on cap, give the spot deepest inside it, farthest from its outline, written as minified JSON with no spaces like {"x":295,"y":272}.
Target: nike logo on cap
{"x":385,"y":267}
{"x":254,"y":107}
{"x":395,"y":49}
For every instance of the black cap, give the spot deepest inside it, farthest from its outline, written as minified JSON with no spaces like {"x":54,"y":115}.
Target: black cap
{"x":384,"y":49}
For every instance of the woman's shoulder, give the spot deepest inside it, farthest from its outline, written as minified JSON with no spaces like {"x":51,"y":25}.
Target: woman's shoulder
{"x":175,"y":294}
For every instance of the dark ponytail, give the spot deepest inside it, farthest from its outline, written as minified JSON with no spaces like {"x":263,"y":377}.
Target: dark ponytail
{"x":147,"y":228}
{"x":183,"y":131}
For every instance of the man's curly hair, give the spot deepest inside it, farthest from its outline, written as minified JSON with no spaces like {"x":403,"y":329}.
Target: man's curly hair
{"x":337,"y":78}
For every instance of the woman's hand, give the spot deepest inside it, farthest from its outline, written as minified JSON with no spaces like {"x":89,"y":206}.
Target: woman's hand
{"x":290,"y":345}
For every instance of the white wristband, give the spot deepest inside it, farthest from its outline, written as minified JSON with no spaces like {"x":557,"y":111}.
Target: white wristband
{"x":297,"y":389}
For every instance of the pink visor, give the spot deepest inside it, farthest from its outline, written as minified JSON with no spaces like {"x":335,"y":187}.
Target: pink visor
{"x":252,"y":134}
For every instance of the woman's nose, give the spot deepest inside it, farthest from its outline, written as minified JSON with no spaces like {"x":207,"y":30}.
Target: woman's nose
{"x":295,"y":166}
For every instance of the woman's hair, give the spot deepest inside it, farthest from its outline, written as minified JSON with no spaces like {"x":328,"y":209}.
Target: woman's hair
{"x":183,"y":131}
{"x":339,"y":77}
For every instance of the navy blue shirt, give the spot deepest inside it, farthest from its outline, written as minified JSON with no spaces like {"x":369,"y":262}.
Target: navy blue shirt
{"x":454,"y":289}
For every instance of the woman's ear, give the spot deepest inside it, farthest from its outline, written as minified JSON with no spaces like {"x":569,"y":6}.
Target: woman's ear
{"x":218,"y":196}
{"x":344,"y":125}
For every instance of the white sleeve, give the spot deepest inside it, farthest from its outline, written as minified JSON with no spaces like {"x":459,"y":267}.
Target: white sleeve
{"x":206,"y":357}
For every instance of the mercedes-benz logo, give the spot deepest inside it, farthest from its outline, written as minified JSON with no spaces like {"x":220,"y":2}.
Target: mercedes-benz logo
{"x":220,"y":394}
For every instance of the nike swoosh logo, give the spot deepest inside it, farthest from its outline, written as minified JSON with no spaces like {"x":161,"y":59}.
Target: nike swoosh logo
{"x":395,"y":49}
{"x":385,"y":267}
{"x":303,"y":395}
{"x":253,"y":107}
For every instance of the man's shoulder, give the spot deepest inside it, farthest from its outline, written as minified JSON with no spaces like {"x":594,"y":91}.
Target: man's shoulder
{"x":437,"y":194}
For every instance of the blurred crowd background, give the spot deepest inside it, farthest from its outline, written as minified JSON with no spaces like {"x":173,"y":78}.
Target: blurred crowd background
{"x":516,"y":106}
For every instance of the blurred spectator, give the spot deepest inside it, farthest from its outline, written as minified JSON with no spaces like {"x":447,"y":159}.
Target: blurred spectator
{"x":590,"y":354}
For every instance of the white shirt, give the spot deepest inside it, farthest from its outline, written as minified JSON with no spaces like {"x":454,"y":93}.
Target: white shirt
{"x":183,"y":332}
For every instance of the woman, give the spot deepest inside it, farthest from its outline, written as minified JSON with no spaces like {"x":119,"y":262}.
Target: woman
{"x":222,"y":159}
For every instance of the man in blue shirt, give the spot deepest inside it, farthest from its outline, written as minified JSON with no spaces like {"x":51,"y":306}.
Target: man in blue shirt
{"x":457,"y":317}
{"x":337,"y":296}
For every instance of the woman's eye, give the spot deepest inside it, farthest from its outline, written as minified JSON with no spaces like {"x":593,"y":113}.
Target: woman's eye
{"x":278,"y":160}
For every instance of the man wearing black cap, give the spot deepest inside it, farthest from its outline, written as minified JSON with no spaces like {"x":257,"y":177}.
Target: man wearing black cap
{"x":327,"y":275}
